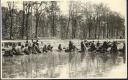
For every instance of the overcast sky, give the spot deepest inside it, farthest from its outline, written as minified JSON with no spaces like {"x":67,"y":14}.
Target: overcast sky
{"x":115,"y":5}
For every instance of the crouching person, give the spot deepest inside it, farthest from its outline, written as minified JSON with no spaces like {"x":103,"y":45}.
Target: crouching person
{"x":37,"y":48}
{"x":19,"y":49}
{"x":14,"y":49}
{"x":59,"y":47}
{"x":8,"y":52}
{"x":49,"y":48}
{"x":26,"y":50}
{"x":45,"y":49}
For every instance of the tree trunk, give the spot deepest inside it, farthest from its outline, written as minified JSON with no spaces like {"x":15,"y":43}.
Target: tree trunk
{"x":22,"y":33}
{"x":37,"y":20}
{"x":27,"y":26}
{"x":11,"y":16}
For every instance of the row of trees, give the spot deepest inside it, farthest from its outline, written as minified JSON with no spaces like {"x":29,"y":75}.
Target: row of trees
{"x":46,"y":19}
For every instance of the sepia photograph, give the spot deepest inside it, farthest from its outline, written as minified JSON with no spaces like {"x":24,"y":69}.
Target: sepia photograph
{"x":63,"y":39}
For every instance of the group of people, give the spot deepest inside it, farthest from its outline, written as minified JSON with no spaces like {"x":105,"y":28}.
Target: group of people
{"x":27,"y":48}
{"x":33,"y":47}
{"x":92,"y":46}
{"x":104,"y":49}
{"x":96,"y":48}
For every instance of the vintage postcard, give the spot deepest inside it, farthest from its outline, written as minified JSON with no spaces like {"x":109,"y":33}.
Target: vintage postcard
{"x":63,"y":39}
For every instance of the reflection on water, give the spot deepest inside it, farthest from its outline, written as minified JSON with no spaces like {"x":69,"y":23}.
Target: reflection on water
{"x":57,"y":65}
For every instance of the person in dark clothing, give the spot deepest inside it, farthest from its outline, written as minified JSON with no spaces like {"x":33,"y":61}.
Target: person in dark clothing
{"x":6,"y":44}
{"x":14,"y":49}
{"x":26,"y":51}
{"x":33,"y":48}
{"x":82,"y":50}
{"x":22,"y":48}
{"x":8,"y":53}
{"x":26,"y":42}
{"x":92,"y":47}
{"x":59,"y":47}
{"x":114,"y":47}
{"x":109,"y":44}
{"x":114,"y":52}
{"x":19,"y":43}
{"x":37,"y":48}
{"x":37,"y":43}
{"x":49,"y":48}
{"x":82,"y":47}
{"x":30,"y":48}
{"x":70,"y":46}
{"x":98,"y":44}
{"x":45,"y":49}
{"x":87,"y":44}
{"x":34,"y":43}
{"x":104,"y":46}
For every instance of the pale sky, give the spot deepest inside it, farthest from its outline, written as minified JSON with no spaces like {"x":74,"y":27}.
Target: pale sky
{"x":115,"y":5}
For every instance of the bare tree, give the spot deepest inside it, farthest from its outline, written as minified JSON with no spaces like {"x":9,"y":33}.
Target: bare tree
{"x":27,"y":5}
{"x":84,"y":21}
{"x":11,"y":8}
{"x":22,"y":30}
{"x":39,"y":7}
